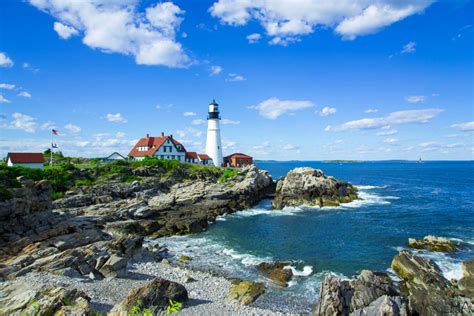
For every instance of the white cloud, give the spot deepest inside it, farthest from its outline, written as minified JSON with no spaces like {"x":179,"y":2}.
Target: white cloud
{"x":7,"y":86}
{"x":415,"y":98}
{"x":387,"y":132}
{"x":287,"y":20}
{"x":198,"y":122}
{"x":49,"y":125}
{"x":23,"y":122}
{"x":273,"y":108}
{"x":371,"y":111}
{"x":116,"y":118}
{"x":120,"y":134}
{"x":64,"y":31}
{"x":5,"y":61}
{"x":120,"y":27}
{"x":3,"y":99}
{"x":27,"y":66}
{"x":394,"y":118}
{"x":215,"y":70}
{"x":326,"y":111}
{"x":390,"y":140}
{"x":432,"y":145}
{"x":24,"y":94}
{"x":72,"y":128}
{"x":290,"y":147}
{"x":230,"y":122}
{"x":228,"y":144}
{"x":189,"y":114}
{"x":254,"y":38}
{"x":409,"y":48}
{"x":235,"y":77}
{"x":468,"y":126}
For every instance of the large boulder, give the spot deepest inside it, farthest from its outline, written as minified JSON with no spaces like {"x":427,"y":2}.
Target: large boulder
{"x":245,"y":292}
{"x":308,"y":186}
{"x":277,"y":271}
{"x":427,"y":290}
{"x":433,"y":243}
{"x":360,"y":295}
{"x":154,"y":296}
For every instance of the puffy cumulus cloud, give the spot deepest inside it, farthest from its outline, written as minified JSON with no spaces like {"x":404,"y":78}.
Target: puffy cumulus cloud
{"x":326,"y":111}
{"x":5,"y":61}
{"x":3,"y":99}
{"x":371,"y":111}
{"x":273,"y":108}
{"x":64,"y":31}
{"x":468,"y":126}
{"x":115,"y":118}
{"x":391,"y":140}
{"x":254,"y":38}
{"x":72,"y":128}
{"x":215,"y":70}
{"x":119,"y":27}
{"x":415,"y":98}
{"x":24,"y":94}
{"x":7,"y":86}
{"x":287,"y":20}
{"x":394,"y":118}
{"x":189,"y":114}
{"x":20,"y":121}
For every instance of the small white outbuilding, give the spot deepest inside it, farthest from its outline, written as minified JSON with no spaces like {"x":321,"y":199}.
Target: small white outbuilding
{"x":30,"y":160}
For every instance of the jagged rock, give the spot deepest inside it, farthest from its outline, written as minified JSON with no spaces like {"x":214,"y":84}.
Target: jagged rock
{"x":310,"y":186}
{"x":114,"y":266}
{"x":20,"y":298}
{"x":246,"y":292}
{"x":154,"y":295}
{"x":466,"y":283}
{"x":276,"y":271}
{"x":433,"y":243}
{"x":427,"y":290}
{"x":342,"y":297}
{"x":384,"y":305}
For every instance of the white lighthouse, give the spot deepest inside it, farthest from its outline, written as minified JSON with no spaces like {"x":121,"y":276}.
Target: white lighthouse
{"x":213,"y":143}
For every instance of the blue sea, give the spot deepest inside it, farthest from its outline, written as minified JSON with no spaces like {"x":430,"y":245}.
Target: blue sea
{"x":400,"y":199}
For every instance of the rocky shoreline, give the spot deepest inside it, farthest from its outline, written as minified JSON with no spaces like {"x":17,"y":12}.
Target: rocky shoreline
{"x":84,"y":254}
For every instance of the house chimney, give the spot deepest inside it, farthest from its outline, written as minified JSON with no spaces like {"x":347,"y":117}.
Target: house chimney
{"x":147,"y":135}
{"x":162,"y":134}
{"x":171,"y":136}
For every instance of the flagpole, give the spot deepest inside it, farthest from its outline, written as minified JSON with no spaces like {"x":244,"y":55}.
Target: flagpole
{"x":51,"y":152}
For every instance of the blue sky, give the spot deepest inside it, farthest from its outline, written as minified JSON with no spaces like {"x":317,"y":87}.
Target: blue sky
{"x":303,"y":80}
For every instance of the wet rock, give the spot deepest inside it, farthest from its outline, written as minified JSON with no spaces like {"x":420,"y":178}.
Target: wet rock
{"x":310,"y":186}
{"x":433,"y":243}
{"x":154,"y":295}
{"x":466,"y":283}
{"x":277,"y":271}
{"x":246,"y":292}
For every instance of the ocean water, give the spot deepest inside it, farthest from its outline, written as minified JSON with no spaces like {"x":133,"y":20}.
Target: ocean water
{"x":400,"y":200}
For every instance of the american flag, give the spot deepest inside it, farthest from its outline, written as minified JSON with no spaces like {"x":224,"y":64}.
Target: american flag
{"x":55,"y":132}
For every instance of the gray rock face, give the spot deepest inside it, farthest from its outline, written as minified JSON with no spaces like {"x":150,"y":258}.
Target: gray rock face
{"x":154,"y":296}
{"x":310,"y":186}
{"x":360,"y":296}
{"x":433,"y":243}
{"x":427,"y":290}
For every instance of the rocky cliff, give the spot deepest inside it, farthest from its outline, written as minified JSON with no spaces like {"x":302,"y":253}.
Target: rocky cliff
{"x":308,"y":186}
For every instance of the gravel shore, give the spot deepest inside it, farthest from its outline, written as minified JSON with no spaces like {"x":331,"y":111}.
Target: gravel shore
{"x":207,"y":293}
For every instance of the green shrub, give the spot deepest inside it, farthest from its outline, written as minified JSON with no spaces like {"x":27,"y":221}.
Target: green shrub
{"x":83,"y":182}
{"x":5,"y":194}
{"x":57,"y":195}
{"x":173,"y":307}
{"x":227,"y":174}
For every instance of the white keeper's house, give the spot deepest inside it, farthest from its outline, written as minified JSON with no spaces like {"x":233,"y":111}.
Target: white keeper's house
{"x":166,"y":147}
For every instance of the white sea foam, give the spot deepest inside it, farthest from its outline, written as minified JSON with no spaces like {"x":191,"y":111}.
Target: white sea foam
{"x":371,"y":187}
{"x":307,"y":270}
{"x":450,"y":267}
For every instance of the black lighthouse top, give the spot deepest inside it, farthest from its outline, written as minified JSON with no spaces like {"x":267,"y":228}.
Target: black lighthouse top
{"x":213,"y":111}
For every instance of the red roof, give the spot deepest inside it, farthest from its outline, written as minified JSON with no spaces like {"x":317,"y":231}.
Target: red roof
{"x":153,"y":143}
{"x":238,"y":155}
{"x":26,"y":157}
{"x":204,"y":157}
{"x":191,"y":154}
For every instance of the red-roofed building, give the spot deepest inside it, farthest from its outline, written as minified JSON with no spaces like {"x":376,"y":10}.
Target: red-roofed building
{"x":205,"y":159}
{"x":163,"y":147}
{"x":192,"y":157}
{"x":238,"y":160}
{"x":31,"y":160}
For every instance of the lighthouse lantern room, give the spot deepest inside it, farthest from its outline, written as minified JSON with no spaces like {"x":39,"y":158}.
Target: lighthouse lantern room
{"x":213,"y":143}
